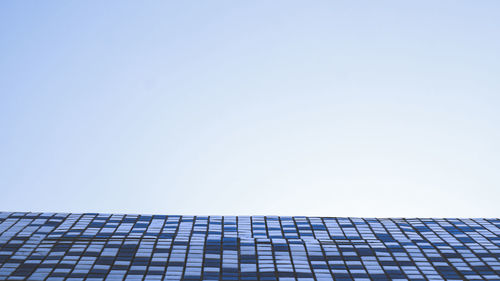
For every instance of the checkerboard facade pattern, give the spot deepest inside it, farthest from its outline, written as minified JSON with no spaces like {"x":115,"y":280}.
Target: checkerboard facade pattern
{"x":58,"y":246}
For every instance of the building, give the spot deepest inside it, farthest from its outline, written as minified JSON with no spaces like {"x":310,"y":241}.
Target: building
{"x":58,"y":246}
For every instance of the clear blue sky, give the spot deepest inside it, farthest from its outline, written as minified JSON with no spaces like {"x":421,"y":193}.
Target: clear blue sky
{"x":333,"y":108}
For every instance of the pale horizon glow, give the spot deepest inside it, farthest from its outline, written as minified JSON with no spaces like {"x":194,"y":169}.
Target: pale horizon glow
{"x":327,"y":108}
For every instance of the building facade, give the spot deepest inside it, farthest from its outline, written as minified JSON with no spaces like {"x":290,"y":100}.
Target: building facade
{"x":60,"y":246}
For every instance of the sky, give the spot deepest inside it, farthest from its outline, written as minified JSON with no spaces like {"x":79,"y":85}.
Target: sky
{"x":317,"y":108}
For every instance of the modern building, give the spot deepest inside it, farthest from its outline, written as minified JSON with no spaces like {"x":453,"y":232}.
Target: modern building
{"x":58,"y":246}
